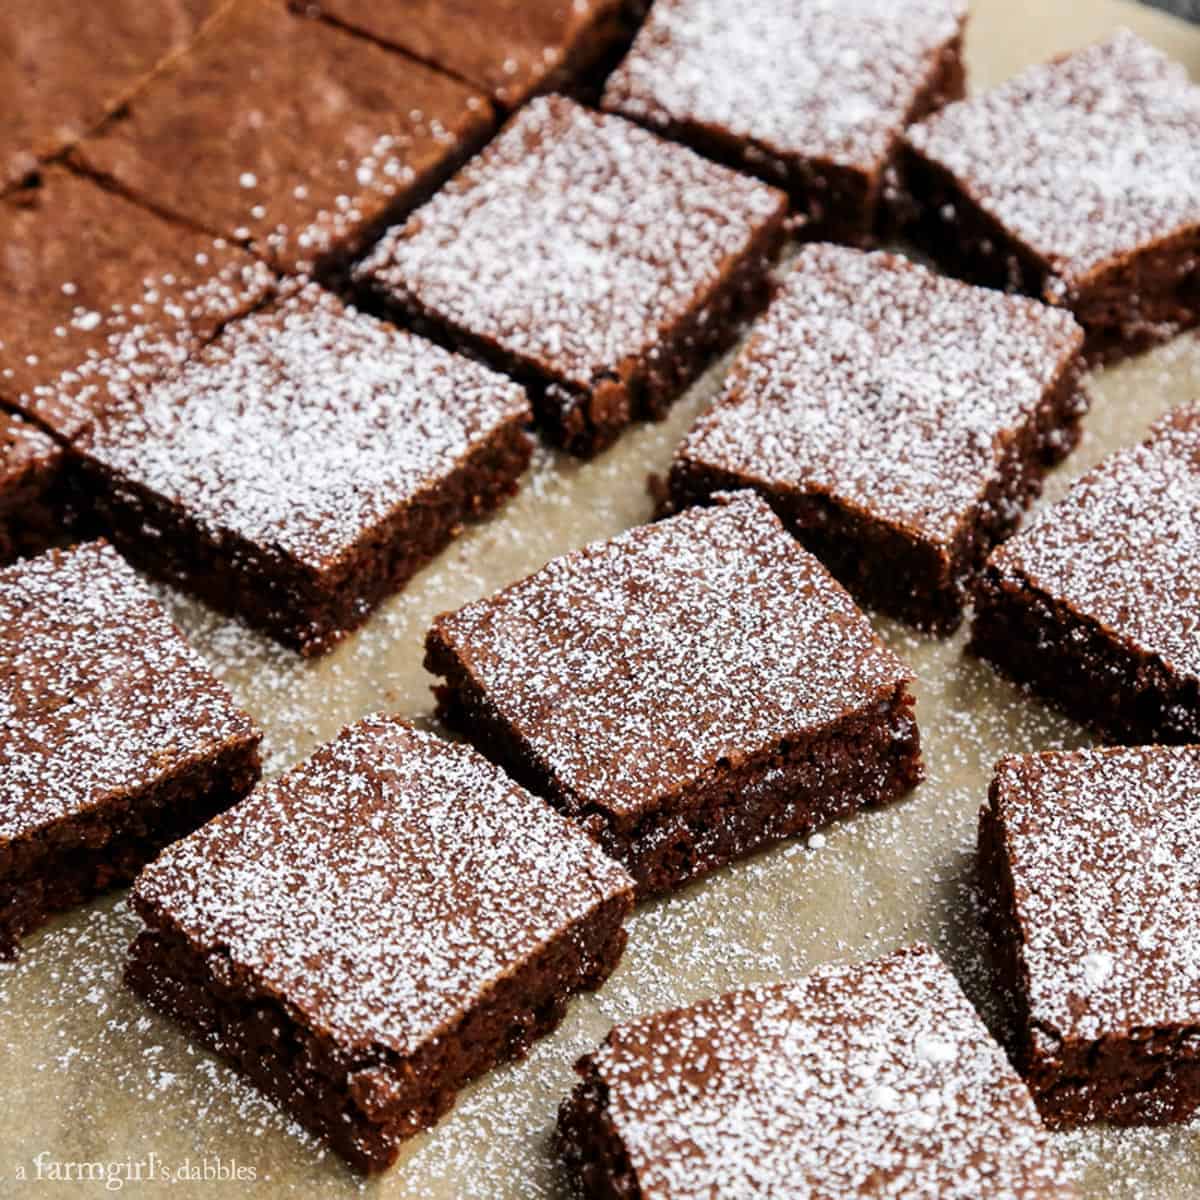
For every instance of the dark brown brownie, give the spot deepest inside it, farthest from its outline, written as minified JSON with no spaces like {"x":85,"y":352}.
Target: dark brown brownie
{"x":31,"y":489}
{"x":97,"y":293}
{"x":870,"y":1080}
{"x":117,"y":737}
{"x":689,"y":691}
{"x":1079,"y":182}
{"x":898,"y":421}
{"x":300,"y":139}
{"x":375,"y":929}
{"x":1096,"y":605}
{"x":1091,"y":865}
{"x":305,"y":465}
{"x":596,"y":263}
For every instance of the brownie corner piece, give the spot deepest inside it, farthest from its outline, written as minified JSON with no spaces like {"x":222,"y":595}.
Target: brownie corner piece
{"x":32,"y":494}
{"x":1090,"y":862}
{"x":371,"y":931}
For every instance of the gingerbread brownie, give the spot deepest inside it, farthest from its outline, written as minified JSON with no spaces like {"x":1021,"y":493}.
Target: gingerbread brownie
{"x":378,"y":927}
{"x":1096,"y":606}
{"x":31,"y":489}
{"x":307,"y":168}
{"x":304,"y":465}
{"x":1091,"y":864}
{"x":813,"y":97}
{"x":1079,"y":182}
{"x":117,"y":737}
{"x":597,"y":264}
{"x":869,"y":1080}
{"x":96,"y":293}
{"x":898,"y":421}
{"x":689,"y":691}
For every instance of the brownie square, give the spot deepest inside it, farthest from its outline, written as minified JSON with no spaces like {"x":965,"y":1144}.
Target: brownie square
{"x":117,"y":737}
{"x":870,"y":1080}
{"x":898,"y":421}
{"x":812,"y":97}
{"x":689,"y":691}
{"x":1091,"y":864}
{"x":98,"y":294}
{"x":298,"y":138}
{"x":601,"y":266}
{"x":31,"y":489}
{"x":1095,"y":605}
{"x":381,"y":925}
{"x":305,"y":465}
{"x":1079,"y":182}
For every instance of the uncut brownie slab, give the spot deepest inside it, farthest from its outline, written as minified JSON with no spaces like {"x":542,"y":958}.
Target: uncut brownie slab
{"x":869,"y":1080}
{"x":1079,"y":182}
{"x":1091,"y":864}
{"x":31,"y":488}
{"x":117,"y":738}
{"x":810,"y":96}
{"x":1096,"y":605}
{"x":228,"y":139}
{"x":898,"y":421}
{"x":381,"y":925}
{"x":601,"y":266}
{"x":688,"y":691}
{"x":305,"y":465}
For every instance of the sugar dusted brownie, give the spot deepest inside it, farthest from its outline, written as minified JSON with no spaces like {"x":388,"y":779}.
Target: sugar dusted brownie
{"x":1096,"y":605}
{"x":1091,"y":863}
{"x":31,"y":488}
{"x":117,"y":737}
{"x":898,"y":421}
{"x":596,"y":263}
{"x":813,"y":97}
{"x":381,"y":925}
{"x":689,"y":691}
{"x":1077,"y":181}
{"x":870,"y":1080}
{"x":305,"y":465}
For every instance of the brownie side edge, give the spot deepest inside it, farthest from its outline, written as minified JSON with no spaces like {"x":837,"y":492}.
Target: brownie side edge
{"x":588,"y":1144}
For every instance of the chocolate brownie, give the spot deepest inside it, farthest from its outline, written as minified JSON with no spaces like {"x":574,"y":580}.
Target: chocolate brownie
{"x":813,"y":97}
{"x":689,"y":691}
{"x":298,"y":138}
{"x":898,"y":421}
{"x":117,"y":737}
{"x":96,"y":293}
{"x":596,"y":263}
{"x":870,"y":1080}
{"x":1079,"y":182}
{"x":1091,"y":864}
{"x":304,"y":465}
{"x":381,"y":925}
{"x":31,"y":489}
{"x":1096,"y":605}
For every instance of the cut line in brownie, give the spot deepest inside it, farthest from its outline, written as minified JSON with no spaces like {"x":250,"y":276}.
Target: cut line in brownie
{"x":1079,"y":182}
{"x":305,"y":465}
{"x":597,"y":264}
{"x":32,"y":492}
{"x":384,"y":923}
{"x":689,"y":691}
{"x":812,"y":97}
{"x":1095,"y":606}
{"x":869,"y":1080}
{"x":117,"y":737}
{"x":898,"y":421}
{"x":1090,"y":864}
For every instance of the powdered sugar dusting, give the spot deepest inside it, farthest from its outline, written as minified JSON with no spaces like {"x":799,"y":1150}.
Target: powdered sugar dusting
{"x":23,"y":448}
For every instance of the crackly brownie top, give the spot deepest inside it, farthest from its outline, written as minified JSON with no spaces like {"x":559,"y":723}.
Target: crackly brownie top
{"x":99,"y":692}
{"x":889,"y":388}
{"x":305,"y":425}
{"x":1123,"y":549}
{"x":632,"y":666}
{"x":1084,"y":159}
{"x":226,"y":138}
{"x":381,"y":888}
{"x":877,"y":1079}
{"x":25,"y":452}
{"x":830,"y":80}
{"x":96,"y":293}
{"x":574,"y":242}
{"x":1104,"y":850}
